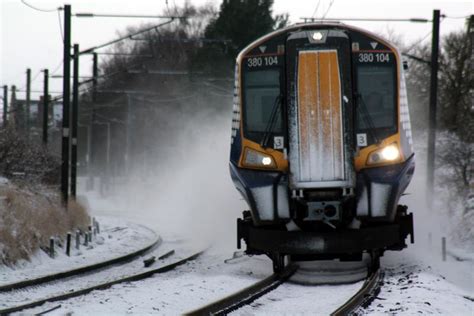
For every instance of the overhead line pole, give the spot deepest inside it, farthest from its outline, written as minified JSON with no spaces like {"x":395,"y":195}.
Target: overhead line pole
{"x":66,"y":104}
{"x":432,"y":112}
{"x":28,"y":101}
{"x":5,"y":105}
{"x":75,"y":103}
{"x":95,"y":74}
{"x":13,"y":108}
{"x":45,"y":106}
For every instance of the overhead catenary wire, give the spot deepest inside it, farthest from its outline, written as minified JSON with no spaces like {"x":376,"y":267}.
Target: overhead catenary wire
{"x":61,"y":32}
{"x":86,"y":51}
{"x":31,"y":82}
{"x":149,"y":93}
{"x":455,"y":17}
{"x":418,"y":42}
{"x":33,"y":79}
{"x":36,"y":8}
{"x":57,"y":67}
{"x":84,"y":90}
{"x":329,"y":8}
{"x":316,"y":9}
{"x":32,"y":91}
{"x":106,"y":15}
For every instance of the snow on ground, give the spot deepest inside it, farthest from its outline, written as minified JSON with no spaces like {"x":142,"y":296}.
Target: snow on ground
{"x":417,"y":280}
{"x":200,"y":282}
{"x":295,"y":299}
{"x":183,"y":289}
{"x":112,"y":273}
{"x":413,"y":287}
{"x":118,"y":237}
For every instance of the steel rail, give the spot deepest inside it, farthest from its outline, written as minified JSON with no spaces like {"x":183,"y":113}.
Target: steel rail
{"x":367,"y":293}
{"x":102,"y":286}
{"x":82,"y":270}
{"x":245,"y":296}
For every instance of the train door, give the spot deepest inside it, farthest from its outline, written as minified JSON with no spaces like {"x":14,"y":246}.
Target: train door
{"x":319,"y":109}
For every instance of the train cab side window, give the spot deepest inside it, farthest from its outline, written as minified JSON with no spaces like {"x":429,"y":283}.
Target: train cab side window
{"x":261,"y":92}
{"x":377,"y":105}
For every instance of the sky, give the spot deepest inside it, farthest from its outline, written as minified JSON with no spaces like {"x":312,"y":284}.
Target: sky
{"x":32,"y":38}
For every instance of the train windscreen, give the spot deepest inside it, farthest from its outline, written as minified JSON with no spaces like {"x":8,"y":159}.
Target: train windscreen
{"x":261,"y":93}
{"x":376,"y":86}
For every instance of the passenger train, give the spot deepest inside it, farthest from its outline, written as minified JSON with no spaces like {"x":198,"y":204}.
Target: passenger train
{"x":321,"y":144}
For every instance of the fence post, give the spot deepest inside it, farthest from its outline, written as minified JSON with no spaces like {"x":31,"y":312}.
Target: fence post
{"x":86,"y":239}
{"x":51,"y":247}
{"x":78,"y":239}
{"x":68,"y":244}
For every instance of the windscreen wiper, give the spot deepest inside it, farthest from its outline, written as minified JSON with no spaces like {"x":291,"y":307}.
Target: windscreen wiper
{"x":367,"y":118}
{"x":276,"y":109}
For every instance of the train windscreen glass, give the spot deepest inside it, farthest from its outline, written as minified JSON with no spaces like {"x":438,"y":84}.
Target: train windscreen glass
{"x":377,"y":103}
{"x":261,"y":95}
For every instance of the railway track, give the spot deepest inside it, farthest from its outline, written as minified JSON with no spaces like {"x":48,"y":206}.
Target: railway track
{"x":228,"y":304}
{"x":68,"y":287}
{"x":367,"y":293}
{"x":82,"y":270}
{"x":245,"y":296}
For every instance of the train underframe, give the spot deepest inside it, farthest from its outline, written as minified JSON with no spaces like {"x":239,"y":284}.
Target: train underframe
{"x":345,"y":244}
{"x":300,"y":233}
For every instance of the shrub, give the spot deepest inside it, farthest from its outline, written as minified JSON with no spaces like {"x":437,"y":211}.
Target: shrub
{"x":29,"y":218}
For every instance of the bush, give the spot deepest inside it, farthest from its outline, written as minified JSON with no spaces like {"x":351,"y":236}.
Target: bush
{"x":31,"y":161}
{"x":29,"y":218}
{"x":456,"y":162}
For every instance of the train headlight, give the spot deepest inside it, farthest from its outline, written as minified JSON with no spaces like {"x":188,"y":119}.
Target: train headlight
{"x":387,"y":154}
{"x":266,"y":161}
{"x":255,"y":158}
{"x":390,"y":153}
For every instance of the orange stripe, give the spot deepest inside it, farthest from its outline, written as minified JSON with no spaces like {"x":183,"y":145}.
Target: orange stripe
{"x":306,"y":97}
{"x":336,"y":118}
{"x":319,"y":116}
{"x":325,"y":117}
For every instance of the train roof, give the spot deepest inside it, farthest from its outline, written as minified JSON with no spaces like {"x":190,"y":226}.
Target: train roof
{"x":319,"y":24}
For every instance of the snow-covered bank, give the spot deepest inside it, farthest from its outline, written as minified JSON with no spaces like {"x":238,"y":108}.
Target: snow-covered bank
{"x":118,"y":238}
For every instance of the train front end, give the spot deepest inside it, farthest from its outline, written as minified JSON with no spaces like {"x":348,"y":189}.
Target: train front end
{"x":321,"y":144}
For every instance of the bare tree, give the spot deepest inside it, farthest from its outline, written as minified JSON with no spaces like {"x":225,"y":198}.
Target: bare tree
{"x":27,"y":160}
